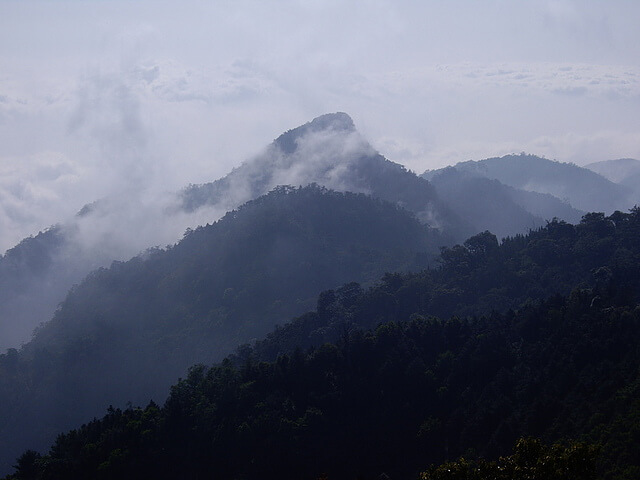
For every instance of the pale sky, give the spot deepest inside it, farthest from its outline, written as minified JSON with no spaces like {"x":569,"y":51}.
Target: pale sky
{"x":105,"y":97}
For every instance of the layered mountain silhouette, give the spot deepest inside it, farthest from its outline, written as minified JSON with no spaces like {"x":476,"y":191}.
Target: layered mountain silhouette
{"x":623,"y":170}
{"x":127,"y":332}
{"x":582,"y":188}
{"x":317,"y":209}
{"x":488,"y":204}
{"x":35,"y":276}
{"x":327,"y":151}
{"x":543,"y":342}
{"x":25,"y":275}
{"x":507,"y":196}
{"x":330,"y":152}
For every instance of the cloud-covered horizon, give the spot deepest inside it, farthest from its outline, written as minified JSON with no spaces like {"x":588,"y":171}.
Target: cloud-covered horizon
{"x":140,"y":99}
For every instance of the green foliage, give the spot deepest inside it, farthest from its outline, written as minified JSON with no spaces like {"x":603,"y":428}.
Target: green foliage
{"x":126,"y":333}
{"x":28,"y":466}
{"x":541,"y":339}
{"x":392,"y":400}
{"x":530,"y":460}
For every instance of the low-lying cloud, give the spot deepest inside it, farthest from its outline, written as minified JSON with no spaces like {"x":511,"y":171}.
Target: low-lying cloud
{"x":121,"y":225}
{"x":126,"y":106}
{"x":159,"y":125}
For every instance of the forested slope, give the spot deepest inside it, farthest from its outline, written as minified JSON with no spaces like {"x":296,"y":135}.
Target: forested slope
{"x":482,"y":276}
{"x":392,"y":400}
{"x":36,"y":274}
{"x":543,"y":342}
{"x":126,"y":333}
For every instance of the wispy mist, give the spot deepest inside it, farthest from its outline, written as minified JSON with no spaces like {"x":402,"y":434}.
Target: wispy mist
{"x":125,"y":104}
{"x":129,"y":97}
{"x":138,"y":215}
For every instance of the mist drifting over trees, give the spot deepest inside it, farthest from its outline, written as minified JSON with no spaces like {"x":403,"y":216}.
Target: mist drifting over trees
{"x":319,"y":241}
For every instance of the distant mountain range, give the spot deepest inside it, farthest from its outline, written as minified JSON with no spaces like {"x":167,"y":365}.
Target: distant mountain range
{"x":582,"y":188}
{"x":486,"y":203}
{"x":625,"y":171}
{"x":330,"y":152}
{"x":507,"y":196}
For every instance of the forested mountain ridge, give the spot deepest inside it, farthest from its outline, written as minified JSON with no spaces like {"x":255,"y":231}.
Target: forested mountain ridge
{"x":536,"y":361}
{"x":328,"y":151}
{"x":414,"y":389}
{"x":582,"y":188}
{"x":480,"y":277}
{"x":127,"y":332}
{"x":287,"y":243}
{"x":35,"y":276}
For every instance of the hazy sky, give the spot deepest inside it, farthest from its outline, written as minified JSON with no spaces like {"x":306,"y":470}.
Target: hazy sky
{"x":103,"y":97}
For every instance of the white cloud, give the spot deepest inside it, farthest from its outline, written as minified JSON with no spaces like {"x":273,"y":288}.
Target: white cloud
{"x":32,"y":191}
{"x":598,"y":81}
{"x":150,"y":97}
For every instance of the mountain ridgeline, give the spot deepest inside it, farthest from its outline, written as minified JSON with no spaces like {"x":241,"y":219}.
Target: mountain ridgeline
{"x":582,"y":188}
{"x":487,"y":204}
{"x":257,"y":265}
{"x":494,"y":194}
{"x":24,"y":278}
{"x":371,"y":382}
{"x":327,"y":151}
{"x":624,"y":171}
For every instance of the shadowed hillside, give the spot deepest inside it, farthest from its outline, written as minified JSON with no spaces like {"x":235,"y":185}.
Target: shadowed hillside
{"x":327,"y":151}
{"x":127,"y":332}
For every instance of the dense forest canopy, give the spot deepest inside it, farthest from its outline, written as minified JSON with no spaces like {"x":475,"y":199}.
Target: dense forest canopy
{"x":390,"y":400}
{"x":536,"y":335}
{"x":126,"y":333}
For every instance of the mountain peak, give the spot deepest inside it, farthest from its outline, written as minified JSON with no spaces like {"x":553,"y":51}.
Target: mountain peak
{"x":334,"y":122}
